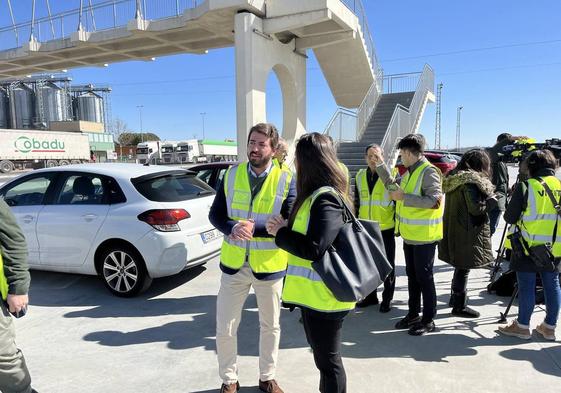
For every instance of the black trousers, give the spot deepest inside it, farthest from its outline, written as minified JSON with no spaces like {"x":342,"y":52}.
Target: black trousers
{"x":323,"y":332}
{"x":459,"y":281}
{"x":388,"y":238}
{"x":419,"y":262}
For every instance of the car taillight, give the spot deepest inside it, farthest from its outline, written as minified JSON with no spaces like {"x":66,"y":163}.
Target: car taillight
{"x":165,"y":220}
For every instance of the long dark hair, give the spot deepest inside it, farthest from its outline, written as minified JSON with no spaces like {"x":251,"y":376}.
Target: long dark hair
{"x":317,"y":166}
{"x":476,"y":160}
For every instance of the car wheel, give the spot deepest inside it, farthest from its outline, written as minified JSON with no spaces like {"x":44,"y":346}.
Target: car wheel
{"x":123,"y":271}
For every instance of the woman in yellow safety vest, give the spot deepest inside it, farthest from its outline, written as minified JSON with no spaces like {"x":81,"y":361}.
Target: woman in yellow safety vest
{"x":538,"y":222}
{"x":315,"y":221}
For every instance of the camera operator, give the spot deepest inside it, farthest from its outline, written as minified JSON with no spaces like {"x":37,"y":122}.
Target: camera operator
{"x":499,"y":178}
{"x":537,"y":246}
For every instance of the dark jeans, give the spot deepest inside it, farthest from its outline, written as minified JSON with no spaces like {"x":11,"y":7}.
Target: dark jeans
{"x":459,"y":281}
{"x":419,"y":261}
{"x":494,"y":217}
{"x":388,"y":236}
{"x":323,"y":332}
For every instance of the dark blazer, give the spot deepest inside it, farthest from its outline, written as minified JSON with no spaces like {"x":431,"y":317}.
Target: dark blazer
{"x":218,"y":216}
{"x":326,"y":219}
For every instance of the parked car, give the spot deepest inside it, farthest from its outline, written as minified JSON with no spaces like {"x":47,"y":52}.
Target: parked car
{"x":213,"y":172}
{"x":444,"y":162}
{"x":127,"y":223}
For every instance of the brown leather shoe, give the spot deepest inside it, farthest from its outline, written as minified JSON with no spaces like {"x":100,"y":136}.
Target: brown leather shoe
{"x":230,"y":388}
{"x":270,"y":386}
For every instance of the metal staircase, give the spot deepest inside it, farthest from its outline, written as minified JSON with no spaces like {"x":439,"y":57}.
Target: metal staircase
{"x":388,"y":113}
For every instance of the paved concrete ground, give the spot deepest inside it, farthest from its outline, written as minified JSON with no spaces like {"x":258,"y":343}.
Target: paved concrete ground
{"x":79,"y":338}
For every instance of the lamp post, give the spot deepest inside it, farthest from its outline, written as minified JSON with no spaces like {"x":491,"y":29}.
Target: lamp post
{"x":203,"y":114}
{"x":140,"y":117}
{"x":458,"y":127}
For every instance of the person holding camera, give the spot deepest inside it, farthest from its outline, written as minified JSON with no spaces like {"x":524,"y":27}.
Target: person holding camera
{"x":536,"y":244}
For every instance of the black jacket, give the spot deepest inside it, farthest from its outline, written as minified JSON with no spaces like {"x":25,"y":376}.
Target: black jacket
{"x":327,"y":217}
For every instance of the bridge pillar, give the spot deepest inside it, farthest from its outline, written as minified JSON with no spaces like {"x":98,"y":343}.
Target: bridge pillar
{"x":257,"y":54}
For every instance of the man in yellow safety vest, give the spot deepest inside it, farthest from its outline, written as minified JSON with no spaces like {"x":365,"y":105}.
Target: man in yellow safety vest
{"x":419,"y":211}
{"x":373,"y":202}
{"x":249,"y":194}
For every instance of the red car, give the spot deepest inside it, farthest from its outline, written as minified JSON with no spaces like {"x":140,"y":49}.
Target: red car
{"x":443,"y":161}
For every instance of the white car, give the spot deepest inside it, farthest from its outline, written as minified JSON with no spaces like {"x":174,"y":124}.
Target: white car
{"x":127,"y":223}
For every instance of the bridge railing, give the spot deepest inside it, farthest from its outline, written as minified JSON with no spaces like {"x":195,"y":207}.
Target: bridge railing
{"x":358,"y":9}
{"x":98,"y":16}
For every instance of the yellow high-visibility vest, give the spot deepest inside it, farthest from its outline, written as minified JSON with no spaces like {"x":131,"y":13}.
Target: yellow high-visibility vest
{"x":538,"y":220}
{"x":302,"y":285}
{"x":261,"y":252}
{"x":413,"y":223}
{"x":3,"y":281}
{"x":376,"y":206}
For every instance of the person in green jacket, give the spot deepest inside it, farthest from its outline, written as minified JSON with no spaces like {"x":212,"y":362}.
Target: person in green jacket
{"x":15,"y":279}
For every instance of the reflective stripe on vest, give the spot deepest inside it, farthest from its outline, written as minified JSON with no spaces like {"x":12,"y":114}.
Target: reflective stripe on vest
{"x":303,"y":286}
{"x":376,"y":206}
{"x":538,"y":220}
{"x":418,"y":224}
{"x":261,"y":252}
{"x":3,"y":281}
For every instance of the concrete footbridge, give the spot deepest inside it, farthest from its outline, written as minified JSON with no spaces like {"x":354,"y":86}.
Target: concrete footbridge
{"x":268,"y":36}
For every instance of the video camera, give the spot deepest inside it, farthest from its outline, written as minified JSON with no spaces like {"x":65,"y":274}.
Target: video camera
{"x":522,"y":146}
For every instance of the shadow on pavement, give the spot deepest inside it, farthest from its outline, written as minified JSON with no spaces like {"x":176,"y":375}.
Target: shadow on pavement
{"x":536,"y":358}
{"x":198,"y":328}
{"x":50,"y":289}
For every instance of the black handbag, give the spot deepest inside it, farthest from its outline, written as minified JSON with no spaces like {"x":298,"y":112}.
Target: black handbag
{"x":356,"y":263}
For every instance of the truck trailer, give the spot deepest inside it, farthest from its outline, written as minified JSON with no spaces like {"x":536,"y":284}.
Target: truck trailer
{"x":193,"y":151}
{"x":21,"y":149}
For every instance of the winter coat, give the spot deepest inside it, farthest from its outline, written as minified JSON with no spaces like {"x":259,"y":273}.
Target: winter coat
{"x":467,"y":235}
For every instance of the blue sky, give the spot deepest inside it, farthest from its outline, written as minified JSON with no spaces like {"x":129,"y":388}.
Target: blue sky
{"x":500,"y":60}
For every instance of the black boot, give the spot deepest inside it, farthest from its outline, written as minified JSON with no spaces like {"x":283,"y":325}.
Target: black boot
{"x":460,"y":308}
{"x":369,"y":300}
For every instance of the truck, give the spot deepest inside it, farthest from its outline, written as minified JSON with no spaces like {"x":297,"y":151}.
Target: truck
{"x":169,"y":153}
{"x":20,"y":149}
{"x":148,"y":152}
{"x":193,"y":151}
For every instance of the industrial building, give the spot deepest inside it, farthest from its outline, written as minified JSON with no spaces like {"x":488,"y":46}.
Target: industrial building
{"x":52,"y":103}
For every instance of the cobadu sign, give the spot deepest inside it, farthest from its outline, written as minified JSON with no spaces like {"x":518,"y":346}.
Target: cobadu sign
{"x":25,"y":145}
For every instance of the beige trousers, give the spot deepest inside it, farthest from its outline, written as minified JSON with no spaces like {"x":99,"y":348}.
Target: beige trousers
{"x":233,"y":292}
{"x":14,"y":376}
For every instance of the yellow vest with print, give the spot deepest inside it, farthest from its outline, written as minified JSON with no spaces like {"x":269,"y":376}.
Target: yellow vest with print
{"x":3,"y":281}
{"x":261,"y":252}
{"x":376,"y":206}
{"x":303,"y":286}
{"x":413,"y":223}
{"x":538,"y":220}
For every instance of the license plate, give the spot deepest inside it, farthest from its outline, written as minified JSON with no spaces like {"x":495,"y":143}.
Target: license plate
{"x":211,"y":235}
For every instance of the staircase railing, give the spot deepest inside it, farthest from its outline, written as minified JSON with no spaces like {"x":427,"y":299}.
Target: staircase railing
{"x":342,"y":125}
{"x":405,"y":120}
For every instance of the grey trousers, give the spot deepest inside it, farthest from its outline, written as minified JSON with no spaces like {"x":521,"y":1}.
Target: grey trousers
{"x":14,"y":375}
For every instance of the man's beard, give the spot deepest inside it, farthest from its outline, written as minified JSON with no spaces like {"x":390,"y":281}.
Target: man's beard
{"x":259,"y":162}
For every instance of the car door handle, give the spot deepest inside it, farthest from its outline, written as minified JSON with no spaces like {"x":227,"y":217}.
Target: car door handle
{"x":27,"y":219}
{"x":89,"y":217}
